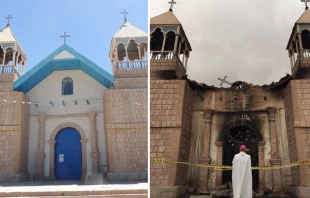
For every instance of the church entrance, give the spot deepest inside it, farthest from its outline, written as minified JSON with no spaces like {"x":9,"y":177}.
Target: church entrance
{"x":233,"y":139}
{"x":68,"y":154}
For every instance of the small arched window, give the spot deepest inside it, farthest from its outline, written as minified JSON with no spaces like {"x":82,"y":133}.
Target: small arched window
{"x":67,"y":86}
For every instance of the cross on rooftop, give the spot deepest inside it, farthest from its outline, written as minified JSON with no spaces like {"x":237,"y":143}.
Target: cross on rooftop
{"x":172,"y":3}
{"x":306,"y":1}
{"x":65,"y":37}
{"x":124,"y":13}
{"x":9,"y":18}
{"x":224,"y":81}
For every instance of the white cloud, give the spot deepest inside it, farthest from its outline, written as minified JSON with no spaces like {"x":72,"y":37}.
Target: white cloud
{"x":243,"y":39}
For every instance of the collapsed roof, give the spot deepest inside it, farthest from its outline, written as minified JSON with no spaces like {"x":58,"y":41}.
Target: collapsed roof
{"x":281,"y":84}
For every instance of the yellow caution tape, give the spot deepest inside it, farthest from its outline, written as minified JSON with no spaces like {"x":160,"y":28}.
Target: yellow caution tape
{"x":222,"y":168}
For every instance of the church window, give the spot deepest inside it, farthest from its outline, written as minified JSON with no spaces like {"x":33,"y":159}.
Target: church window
{"x":67,"y":86}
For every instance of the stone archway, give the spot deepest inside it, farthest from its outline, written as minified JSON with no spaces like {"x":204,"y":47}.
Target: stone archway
{"x":52,"y":142}
{"x":255,"y":144}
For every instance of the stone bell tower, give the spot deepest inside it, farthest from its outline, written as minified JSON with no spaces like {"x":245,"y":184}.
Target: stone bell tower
{"x":298,"y":47}
{"x":14,"y":112}
{"x":169,"y":45}
{"x":12,"y":57}
{"x":297,"y":101}
{"x":171,"y":104}
{"x":126,"y":106}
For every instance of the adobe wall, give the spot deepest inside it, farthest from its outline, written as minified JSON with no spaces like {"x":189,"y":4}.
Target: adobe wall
{"x":14,"y":132}
{"x":126,"y":123}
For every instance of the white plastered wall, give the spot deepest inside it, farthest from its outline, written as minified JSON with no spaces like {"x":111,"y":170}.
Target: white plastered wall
{"x":50,"y":89}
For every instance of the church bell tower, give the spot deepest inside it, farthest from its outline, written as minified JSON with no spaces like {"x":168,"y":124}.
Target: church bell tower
{"x":128,"y":48}
{"x":125,"y":105}
{"x":12,"y":57}
{"x":169,"y":43}
{"x":298,"y":46}
{"x":14,"y":111}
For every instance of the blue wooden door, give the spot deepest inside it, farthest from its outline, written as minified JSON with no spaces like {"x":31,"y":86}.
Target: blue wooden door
{"x":68,"y":154}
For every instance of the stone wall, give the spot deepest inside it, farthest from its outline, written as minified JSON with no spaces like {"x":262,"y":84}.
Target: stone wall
{"x":289,"y":117}
{"x":14,"y":131}
{"x":163,"y":69}
{"x":231,"y":108}
{"x":126,"y":118}
{"x":171,"y":116}
{"x":297,"y":101}
{"x":186,"y":131}
{"x":24,"y":142}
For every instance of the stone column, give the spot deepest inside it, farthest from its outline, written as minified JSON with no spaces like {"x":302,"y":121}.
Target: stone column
{"x":205,"y":156}
{"x":186,"y":61}
{"x":300,"y":41}
{"x":139,"y":51}
{"x":13,"y":60}
{"x":51,"y":174}
{"x":84,"y":158}
{"x":296,"y":45}
{"x":94,"y":146}
{"x":176,"y":43}
{"x":17,"y":59}
{"x":117,"y":62}
{"x":184,"y":52}
{"x":40,"y":153}
{"x":291,"y":60}
{"x":261,"y":162}
{"x":164,"y":43}
{"x":3,"y":62}
{"x":179,"y":50}
{"x":218,"y":180}
{"x":275,"y":159}
{"x":126,"y":50}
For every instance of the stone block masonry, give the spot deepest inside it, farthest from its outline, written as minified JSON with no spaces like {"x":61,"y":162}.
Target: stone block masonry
{"x":126,"y":118}
{"x":297,"y":110}
{"x":14,"y":132}
{"x":171,"y":115}
{"x":160,"y":67}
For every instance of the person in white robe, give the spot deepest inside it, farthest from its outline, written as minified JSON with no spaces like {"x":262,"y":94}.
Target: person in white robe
{"x":242,"y":174}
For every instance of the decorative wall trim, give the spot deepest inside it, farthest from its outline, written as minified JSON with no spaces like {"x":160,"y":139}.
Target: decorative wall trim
{"x":68,"y":115}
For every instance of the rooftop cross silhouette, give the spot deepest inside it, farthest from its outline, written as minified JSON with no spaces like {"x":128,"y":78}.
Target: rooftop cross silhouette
{"x":65,"y":37}
{"x":9,"y":18}
{"x":306,"y":5}
{"x":172,"y":3}
{"x":124,"y":13}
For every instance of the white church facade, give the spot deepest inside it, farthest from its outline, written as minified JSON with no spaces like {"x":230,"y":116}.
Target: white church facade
{"x":59,"y":120}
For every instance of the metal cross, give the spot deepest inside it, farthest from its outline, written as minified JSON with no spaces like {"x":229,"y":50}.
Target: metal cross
{"x":65,"y":37}
{"x":124,"y":13}
{"x":9,"y":18}
{"x":172,"y":2}
{"x":224,"y":81}
{"x":306,"y":1}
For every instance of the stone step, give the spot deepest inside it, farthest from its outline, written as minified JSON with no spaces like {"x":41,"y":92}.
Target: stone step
{"x":105,"y":193}
{"x":98,"y":196}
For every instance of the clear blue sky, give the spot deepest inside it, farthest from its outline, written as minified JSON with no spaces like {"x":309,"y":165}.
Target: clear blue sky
{"x":37,"y":24}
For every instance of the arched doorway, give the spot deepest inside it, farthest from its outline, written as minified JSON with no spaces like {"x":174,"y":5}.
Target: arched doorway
{"x":68,"y":154}
{"x":233,"y":139}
